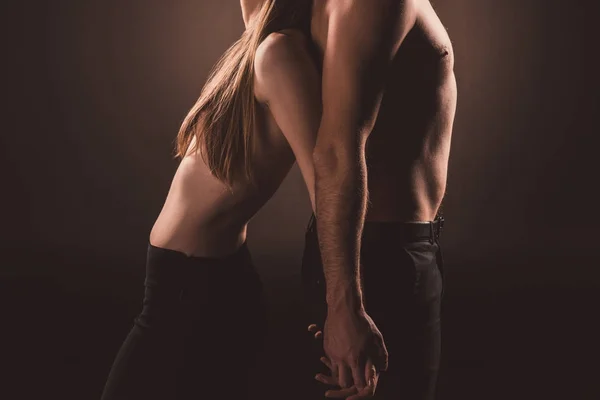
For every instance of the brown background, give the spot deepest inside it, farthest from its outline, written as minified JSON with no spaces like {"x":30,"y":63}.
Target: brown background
{"x":95,"y":91}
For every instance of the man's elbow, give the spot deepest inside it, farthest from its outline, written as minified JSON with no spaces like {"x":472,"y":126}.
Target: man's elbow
{"x":331,"y":158}
{"x":324,"y":157}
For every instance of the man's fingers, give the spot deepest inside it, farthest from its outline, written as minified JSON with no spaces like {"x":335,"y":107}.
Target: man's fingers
{"x":334,"y":370}
{"x":328,"y":380}
{"x":358,"y":374}
{"x":312,"y":328}
{"x":367,"y":393}
{"x":318,"y":335}
{"x":344,"y":376}
{"x":371,"y":377}
{"x":342,"y":393}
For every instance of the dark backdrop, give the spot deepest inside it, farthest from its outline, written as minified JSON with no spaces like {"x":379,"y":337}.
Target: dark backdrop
{"x":95,"y":92}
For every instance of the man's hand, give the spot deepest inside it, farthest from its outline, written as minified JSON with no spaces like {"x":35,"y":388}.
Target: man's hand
{"x":354,"y":346}
{"x":353,"y":392}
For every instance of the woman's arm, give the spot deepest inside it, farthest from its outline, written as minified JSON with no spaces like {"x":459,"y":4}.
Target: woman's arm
{"x":288,"y":82}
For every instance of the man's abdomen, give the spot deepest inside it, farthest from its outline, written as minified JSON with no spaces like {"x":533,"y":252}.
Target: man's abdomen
{"x":409,"y":147}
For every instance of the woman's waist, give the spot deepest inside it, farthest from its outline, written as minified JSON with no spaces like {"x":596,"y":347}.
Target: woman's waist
{"x":197,"y":235}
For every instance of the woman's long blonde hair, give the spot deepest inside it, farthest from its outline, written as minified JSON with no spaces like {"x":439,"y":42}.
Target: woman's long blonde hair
{"x":221,"y":123}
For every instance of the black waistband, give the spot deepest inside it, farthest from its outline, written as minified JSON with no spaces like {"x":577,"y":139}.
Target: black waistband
{"x":172,"y":267}
{"x":176,"y":257}
{"x":402,"y":231}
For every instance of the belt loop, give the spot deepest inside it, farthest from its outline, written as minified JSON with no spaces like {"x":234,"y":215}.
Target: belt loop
{"x":440,"y":221}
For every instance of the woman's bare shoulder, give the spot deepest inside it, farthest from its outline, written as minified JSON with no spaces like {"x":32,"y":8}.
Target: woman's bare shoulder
{"x":282,"y":54}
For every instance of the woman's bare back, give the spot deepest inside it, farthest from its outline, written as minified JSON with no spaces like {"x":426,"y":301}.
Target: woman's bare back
{"x":202,"y":216}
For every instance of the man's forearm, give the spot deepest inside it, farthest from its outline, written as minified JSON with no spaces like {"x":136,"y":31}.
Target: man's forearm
{"x":341,"y":197}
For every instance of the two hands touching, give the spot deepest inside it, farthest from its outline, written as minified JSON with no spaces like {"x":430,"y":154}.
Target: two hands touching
{"x":354,"y":353}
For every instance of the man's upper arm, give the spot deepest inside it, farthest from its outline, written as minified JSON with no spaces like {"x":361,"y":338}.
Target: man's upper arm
{"x":362,"y":39}
{"x":287,"y":80}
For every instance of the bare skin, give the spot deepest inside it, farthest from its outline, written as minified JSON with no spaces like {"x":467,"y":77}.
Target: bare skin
{"x":389,"y":99}
{"x":201,"y":216}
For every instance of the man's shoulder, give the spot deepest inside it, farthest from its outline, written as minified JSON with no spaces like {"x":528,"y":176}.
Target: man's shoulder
{"x":362,"y":12}
{"x":360,"y":28}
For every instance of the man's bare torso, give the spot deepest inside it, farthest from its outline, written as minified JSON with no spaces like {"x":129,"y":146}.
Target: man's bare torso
{"x":408,"y":148}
